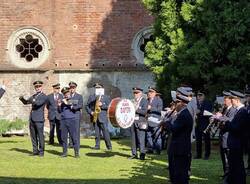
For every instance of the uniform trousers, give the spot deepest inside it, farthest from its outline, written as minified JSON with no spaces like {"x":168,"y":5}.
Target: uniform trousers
{"x":102,"y":128}
{"x":68,"y":127}
{"x":138,"y":139}
{"x":178,"y":168}
{"x":37,"y":136}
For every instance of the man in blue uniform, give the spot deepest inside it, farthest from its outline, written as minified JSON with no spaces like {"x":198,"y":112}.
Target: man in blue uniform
{"x":100,"y":119}
{"x":201,"y":124}
{"x":69,"y":122}
{"x":138,"y":129}
{"x":2,"y":90}
{"x":180,"y":145}
{"x":155,"y":105}
{"x":247,"y":93}
{"x":227,"y":115}
{"x":54,"y":115}
{"x":36,"y":125}
{"x":236,"y":128}
{"x":77,"y":107}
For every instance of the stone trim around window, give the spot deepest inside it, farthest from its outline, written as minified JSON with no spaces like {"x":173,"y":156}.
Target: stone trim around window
{"x":28,"y":47}
{"x":139,"y":42}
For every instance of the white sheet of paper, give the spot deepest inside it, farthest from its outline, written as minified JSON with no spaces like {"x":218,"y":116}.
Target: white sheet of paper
{"x":99,"y":91}
{"x":173,"y":95}
{"x":207,"y":113}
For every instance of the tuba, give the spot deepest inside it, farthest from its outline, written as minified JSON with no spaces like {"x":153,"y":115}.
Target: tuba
{"x":97,"y":109}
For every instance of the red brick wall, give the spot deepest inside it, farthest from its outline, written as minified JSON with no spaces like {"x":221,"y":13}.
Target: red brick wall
{"x":84,"y":34}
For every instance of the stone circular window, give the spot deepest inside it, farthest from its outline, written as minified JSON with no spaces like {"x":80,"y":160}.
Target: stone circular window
{"x":139,"y":43}
{"x":28,"y":47}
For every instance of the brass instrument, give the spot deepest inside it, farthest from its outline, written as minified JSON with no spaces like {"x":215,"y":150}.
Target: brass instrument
{"x":97,"y":109}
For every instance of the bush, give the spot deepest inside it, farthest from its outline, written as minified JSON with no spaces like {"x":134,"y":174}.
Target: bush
{"x":7,"y":125}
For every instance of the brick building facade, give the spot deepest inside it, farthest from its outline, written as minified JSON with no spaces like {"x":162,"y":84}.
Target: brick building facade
{"x":85,"y":41}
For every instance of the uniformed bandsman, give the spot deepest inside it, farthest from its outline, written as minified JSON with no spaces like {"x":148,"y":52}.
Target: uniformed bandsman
{"x":138,"y":129}
{"x":236,"y":130}
{"x":201,"y":124}
{"x":227,"y":114}
{"x":77,"y":107}
{"x":180,"y":146}
{"x":54,"y":115}
{"x":155,"y":105}
{"x":99,"y":102}
{"x":69,"y":122}
{"x":2,"y":90}
{"x":36,"y":125}
{"x":247,"y":93}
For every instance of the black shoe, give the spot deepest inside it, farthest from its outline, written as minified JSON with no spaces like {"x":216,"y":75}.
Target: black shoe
{"x":64,"y":155}
{"x":142,"y":156}
{"x":41,"y":154}
{"x":95,"y":148}
{"x":133,"y":157}
{"x":34,"y":154}
{"x":206,"y":158}
{"x":109,"y":149}
{"x":197,"y":157}
{"x":149,"y":152}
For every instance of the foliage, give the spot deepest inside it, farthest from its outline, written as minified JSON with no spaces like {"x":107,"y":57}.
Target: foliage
{"x":205,"y":44}
{"x":94,"y":167}
{"x":7,"y":125}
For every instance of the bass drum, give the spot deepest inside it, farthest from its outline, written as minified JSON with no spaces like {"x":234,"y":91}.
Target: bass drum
{"x":121,"y":113}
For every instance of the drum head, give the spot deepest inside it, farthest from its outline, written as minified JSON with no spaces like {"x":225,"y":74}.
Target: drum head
{"x":125,"y":113}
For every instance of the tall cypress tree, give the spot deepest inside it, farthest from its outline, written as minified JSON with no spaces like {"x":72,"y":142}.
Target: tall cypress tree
{"x":203,"y":43}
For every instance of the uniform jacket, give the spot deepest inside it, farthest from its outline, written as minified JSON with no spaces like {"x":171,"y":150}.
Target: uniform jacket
{"x":38,"y":102}
{"x":237,"y":129}
{"x":203,"y":121}
{"x":90,"y":107}
{"x":181,"y":130}
{"x":141,"y":111}
{"x":156,"y":108}
{"x":53,"y":107}
{"x":2,"y":91}
{"x":67,"y":111}
{"x":77,"y":106}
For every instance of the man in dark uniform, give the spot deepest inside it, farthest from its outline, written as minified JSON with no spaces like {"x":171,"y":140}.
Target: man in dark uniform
{"x":236,"y":128}
{"x":77,"y":107}
{"x":138,"y":129}
{"x":201,"y":124}
{"x":69,"y":122}
{"x":100,"y":119}
{"x":155,"y":105}
{"x":227,"y":115}
{"x":2,"y":90}
{"x":247,"y":93}
{"x":36,"y":125}
{"x":54,"y":115}
{"x":180,"y":145}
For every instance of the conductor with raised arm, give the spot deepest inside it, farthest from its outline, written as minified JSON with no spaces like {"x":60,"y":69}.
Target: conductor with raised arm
{"x":36,"y":120}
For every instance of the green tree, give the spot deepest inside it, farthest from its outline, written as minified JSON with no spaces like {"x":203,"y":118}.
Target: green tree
{"x":202,"y":43}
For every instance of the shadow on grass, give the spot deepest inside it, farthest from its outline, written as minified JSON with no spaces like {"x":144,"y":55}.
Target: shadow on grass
{"x":8,"y":141}
{"x":54,"y":152}
{"x":21,"y":150}
{"x":107,"y":154}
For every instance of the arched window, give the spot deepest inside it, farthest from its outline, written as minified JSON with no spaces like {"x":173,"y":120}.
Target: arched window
{"x":28,"y":47}
{"x":139,"y":43}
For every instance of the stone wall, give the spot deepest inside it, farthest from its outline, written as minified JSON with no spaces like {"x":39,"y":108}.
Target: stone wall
{"x":117,"y":84}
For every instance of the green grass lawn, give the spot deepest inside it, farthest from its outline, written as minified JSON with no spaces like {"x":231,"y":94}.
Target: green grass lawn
{"x":94,"y":166}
